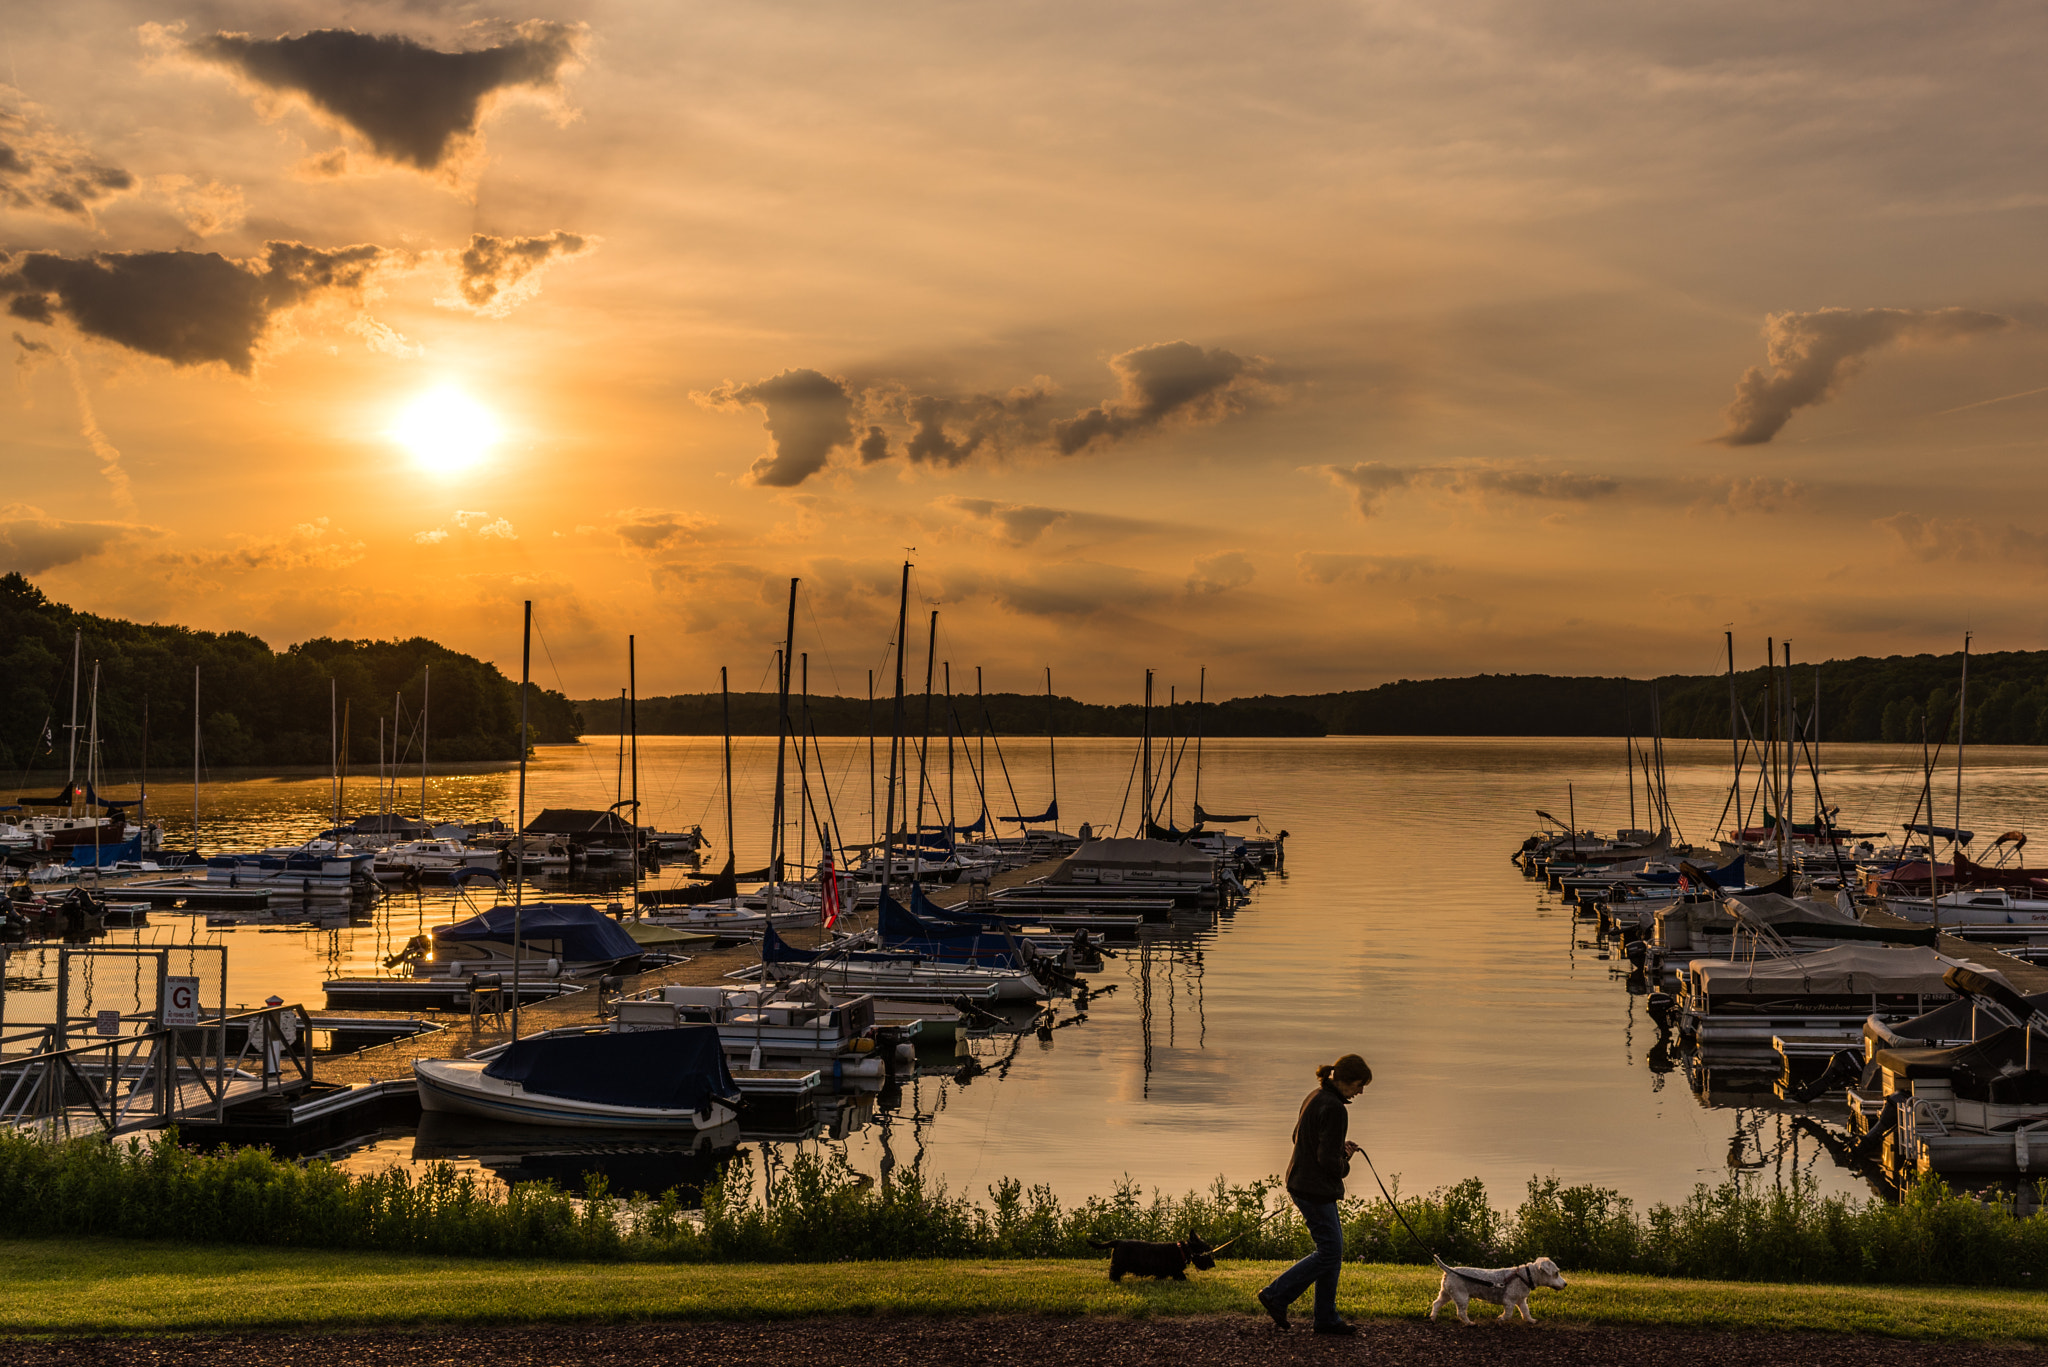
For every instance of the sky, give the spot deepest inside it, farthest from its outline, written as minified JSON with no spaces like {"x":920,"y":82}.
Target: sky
{"x":1315,"y":344}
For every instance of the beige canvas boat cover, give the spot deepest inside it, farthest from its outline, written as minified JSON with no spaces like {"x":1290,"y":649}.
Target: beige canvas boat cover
{"x":1159,"y":855}
{"x":1771,"y":908}
{"x":1844,"y":971}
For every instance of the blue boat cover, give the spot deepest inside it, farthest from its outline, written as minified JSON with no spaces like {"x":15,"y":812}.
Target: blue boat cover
{"x":82,"y":856}
{"x":586,"y":934}
{"x":776,"y":950}
{"x":1729,"y":875}
{"x":1051,"y":813}
{"x":679,"y":1070}
{"x":946,"y":941}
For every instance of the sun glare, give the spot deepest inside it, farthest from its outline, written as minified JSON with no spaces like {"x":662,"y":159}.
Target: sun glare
{"x":447,"y":431}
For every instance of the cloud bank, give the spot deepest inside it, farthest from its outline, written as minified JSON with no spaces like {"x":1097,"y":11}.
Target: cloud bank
{"x":1161,"y":382}
{"x":188,"y":308}
{"x":416,"y":106}
{"x":31,"y":541}
{"x":810,"y":414}
{"x":1808,"y":357}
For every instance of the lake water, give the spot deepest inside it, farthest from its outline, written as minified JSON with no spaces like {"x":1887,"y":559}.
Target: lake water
{"x":1504,"y":1042}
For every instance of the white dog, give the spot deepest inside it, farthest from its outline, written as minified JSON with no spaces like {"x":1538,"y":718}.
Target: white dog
{"x":1506,"y":1287}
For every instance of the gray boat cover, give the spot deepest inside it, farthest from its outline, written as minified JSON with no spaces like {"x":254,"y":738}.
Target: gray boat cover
{"x":675,"y":1070}
{"x":1844,"y":971}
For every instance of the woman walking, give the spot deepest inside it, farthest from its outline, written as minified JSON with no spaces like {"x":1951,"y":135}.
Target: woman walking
{"x":1315,"y":1179}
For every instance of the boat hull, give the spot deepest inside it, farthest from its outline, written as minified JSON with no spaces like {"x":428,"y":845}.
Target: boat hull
{"x":459,"y":1087}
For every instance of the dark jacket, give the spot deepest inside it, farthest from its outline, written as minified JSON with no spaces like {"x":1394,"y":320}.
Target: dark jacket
{"x":1320,"y":1165}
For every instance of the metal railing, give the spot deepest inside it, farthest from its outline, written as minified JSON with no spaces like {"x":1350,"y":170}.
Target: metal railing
{"x":159,"y":1076}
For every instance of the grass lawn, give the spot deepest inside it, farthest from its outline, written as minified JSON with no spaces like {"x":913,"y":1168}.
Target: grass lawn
{"x":81,"y":1286}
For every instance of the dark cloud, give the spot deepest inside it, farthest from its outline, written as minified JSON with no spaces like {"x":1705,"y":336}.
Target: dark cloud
{"x":874,"y":446}
{"x":188,"y":308}
{"x":415,"y":105}
{"x":1161,"y":382}
{"x":500,"y":272}
{"x":808,"y":415}
{"x":1370,"y":482}
{"x":32,"y":542}
{"x":1220,"y":572}
{"x":1017,"y":523}
{"x":42,"y":171}
{"x":947,"y":431}
{"x":1810,"y":356}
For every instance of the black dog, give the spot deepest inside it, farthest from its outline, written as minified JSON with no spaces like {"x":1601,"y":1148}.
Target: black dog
{"x":1141,"y":1259}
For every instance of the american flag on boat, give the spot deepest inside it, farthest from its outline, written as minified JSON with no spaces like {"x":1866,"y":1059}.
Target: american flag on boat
{"x":828,"y":888}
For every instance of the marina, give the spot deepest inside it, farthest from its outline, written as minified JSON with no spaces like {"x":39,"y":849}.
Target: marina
{"x":1178,"y":1022}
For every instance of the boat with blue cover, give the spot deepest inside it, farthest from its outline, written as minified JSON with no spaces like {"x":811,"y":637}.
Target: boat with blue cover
{"x":674,"y":1079}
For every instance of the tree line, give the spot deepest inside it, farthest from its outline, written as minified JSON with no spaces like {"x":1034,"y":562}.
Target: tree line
{"x":1006,"y":714}
{"x":1867,"y":698}
{"x":257,"y":706}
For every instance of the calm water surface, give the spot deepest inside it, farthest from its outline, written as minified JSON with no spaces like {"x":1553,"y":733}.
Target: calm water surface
{"x":1504,"y":1042}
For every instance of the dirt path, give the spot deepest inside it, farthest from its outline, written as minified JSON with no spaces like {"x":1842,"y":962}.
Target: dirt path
{"x":1027,"y":1342}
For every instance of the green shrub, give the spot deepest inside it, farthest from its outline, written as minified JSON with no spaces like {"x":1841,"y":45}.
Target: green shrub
{"x":816,"y":1207}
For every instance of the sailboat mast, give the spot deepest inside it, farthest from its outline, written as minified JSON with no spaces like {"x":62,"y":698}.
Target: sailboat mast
{"x":871,"y":757}
{"x":782,"y":741}
{"x":895,"y":733}
{"x":924,"y":744}
{"x":519,"y":843}
{"x":1784,"y":835}
{"x":952,"y":814}
{"x":195,"y":757}
{"x":1734,"y":737}
{"x":92,"y":751}
{"x":1628,"y":726}
{"x":426,"y":684}
{"x":1145,"y":793}
{"x":71,"y":770}
{"x":1201,"y":700}
{"x":1052,"y":751}
{"x":1962,"y":720}
{"x":725,"y":703}
{"x":633,"y":727}
{"x":803,"y":766}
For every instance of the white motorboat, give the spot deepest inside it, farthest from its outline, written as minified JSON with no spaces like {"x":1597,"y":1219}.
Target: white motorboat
{"x":1972,"y":907}
{"x":771,"y":1027}
{"x":907,"y":976}
{"x":431,"y":858}
{"x":663,"y":1079}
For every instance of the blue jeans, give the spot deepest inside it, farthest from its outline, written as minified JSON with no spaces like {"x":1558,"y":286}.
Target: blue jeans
{"x":1321,"y":1267}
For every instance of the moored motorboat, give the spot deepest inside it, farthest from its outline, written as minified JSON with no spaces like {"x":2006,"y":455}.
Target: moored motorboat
{"x":673,"y":1079}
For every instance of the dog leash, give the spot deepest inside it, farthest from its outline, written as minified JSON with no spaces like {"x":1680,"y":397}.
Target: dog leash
{"x":1246,"y":1230}
{"x":1396,"y":1207}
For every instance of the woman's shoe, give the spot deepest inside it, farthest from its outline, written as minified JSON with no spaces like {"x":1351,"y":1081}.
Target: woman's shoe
{"x":1337,"y":1327}
{"x":1276,"y":1310}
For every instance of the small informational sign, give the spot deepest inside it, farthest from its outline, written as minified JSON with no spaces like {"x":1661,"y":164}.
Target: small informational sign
{"x":106,"y":1022}
{"x":181,"y":1001}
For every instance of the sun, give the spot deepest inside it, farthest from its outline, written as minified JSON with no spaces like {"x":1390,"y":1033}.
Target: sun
{"x":447,"y":431}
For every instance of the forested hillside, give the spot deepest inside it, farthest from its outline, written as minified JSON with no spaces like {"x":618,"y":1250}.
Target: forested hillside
{"x":1867,"y":699}
{"x":1013,"y":714}
{"x":257,"y":706}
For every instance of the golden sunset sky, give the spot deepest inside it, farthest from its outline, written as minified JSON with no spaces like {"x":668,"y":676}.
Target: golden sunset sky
{"x":1320,"y":344}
